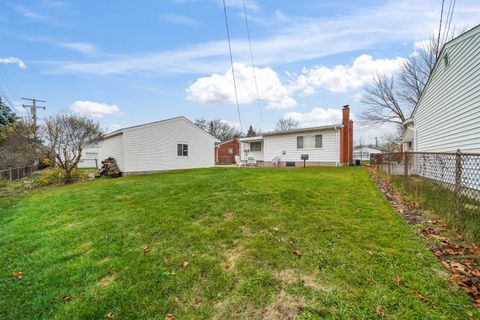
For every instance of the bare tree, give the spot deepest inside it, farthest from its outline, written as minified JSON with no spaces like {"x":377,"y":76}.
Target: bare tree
{"x":286,"y":124}
{"x":66,"y":135}
{"x":220,"y":129}
{"x":391,"y":99}
{"x":18,"y":147}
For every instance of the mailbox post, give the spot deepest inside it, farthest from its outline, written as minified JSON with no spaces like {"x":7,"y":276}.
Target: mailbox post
{"x":304,"y":157}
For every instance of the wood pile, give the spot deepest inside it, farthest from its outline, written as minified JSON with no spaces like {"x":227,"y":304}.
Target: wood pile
{"x":110,"y":168}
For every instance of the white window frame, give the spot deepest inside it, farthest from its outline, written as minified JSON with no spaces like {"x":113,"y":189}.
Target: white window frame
{"x":314,"y":142}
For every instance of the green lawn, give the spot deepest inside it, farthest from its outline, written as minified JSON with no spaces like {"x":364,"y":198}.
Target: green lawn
{"x":260,"y":244}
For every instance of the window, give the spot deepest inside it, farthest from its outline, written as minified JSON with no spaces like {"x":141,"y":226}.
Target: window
{"x":182,"y":150}
{"x":318,"y":141}
{"x":299,"y":142}
{"x":255,"y":146}
{"x":230,"y":151}
{"x":310,"y":142}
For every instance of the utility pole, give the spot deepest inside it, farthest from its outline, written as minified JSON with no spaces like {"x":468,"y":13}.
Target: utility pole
{"x":33,"y":108}
{"x":376,"y":142}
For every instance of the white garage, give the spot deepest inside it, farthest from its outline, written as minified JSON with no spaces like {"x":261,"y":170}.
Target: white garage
{"x":169,"y":144}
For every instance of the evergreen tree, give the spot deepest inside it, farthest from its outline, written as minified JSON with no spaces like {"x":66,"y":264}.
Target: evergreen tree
{"x":251,"y":132}
{"x":7,"y":116}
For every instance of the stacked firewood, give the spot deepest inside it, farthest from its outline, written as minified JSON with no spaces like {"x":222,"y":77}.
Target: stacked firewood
{"x":110,"y":168}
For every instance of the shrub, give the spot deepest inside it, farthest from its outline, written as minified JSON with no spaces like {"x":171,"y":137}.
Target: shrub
{"x":55,"y":175}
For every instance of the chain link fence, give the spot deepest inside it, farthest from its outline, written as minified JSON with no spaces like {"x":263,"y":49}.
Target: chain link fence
{"x":448,"y":183}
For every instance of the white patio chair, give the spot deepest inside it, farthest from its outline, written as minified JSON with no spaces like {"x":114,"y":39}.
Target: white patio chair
{"x":239,"y":162}
{"x":275,"y":161}
{"x":251,"y":162}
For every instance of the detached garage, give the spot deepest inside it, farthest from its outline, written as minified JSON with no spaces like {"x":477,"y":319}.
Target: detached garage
{"x":169,"y":144}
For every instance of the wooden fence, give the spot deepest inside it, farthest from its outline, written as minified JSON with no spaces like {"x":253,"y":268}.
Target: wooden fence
{"x":17,"y":173}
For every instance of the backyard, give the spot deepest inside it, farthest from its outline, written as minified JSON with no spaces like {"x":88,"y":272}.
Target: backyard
{"x":221,"y":243}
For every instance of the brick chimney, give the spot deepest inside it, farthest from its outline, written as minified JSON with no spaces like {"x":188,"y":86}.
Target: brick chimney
{"x":346,"y":137}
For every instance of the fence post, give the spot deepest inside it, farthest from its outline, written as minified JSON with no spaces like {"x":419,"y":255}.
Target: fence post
{"x":458,"y":184}
{"x":405,"y":172}
{"x":10,"y":174}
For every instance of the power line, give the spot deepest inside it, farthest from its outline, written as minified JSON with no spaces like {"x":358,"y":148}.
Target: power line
{"x":449,"y":19}
{"x":33,"y":108}
{"x":231,"y":63}
{"x":9,"y":84}
{"x":437,"y":47}
{"x":253,"y":62}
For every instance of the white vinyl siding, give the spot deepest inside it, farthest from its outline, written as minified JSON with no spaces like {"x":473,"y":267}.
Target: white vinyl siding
{"x":112,"y":147}
{"x":154,"y":147}
{"x":448,"y":114}
{"x":276,"y":146}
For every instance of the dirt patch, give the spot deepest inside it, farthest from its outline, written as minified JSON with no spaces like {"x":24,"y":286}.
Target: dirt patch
{"x":232,"y":256}
{"x":103,"y":260}
{"x":74,"y":224}
{"x":284,"y":307}
{"x":291,"y":276}
{"x":106,"y":282}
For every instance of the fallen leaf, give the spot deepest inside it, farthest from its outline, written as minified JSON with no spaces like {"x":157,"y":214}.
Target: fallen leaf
{"x":186,"y":264}
{"x":226,"y":266}
{"x":169,"y":317}
{"x":165,"y":260}
{"x":397,"y":280}
{"x":18,"y":275}
{"x":146,"y":249}
{"x":109,"y":315}
{"x":422,"y":297}
{"x":275,"y":229}
{"x":370,"y":253}
{"x":296,"y":252}
{"x":66,"y":298}
{"x":379,"y":312}
{"x":359,"y":210}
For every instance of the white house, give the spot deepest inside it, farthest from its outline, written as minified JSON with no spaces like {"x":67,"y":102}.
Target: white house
{"x":364,"y":153}
{"x":447,"y":115}
{"x":169,"y":144}
{"x":330,"y":145}
{"x":89,"y":157}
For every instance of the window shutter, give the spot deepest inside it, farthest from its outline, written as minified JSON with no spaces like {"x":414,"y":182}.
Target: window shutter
{"x":318,"y":141}
{"x":179,"y":150}
{"x":300,"y":142}
{"x":185,"y":150}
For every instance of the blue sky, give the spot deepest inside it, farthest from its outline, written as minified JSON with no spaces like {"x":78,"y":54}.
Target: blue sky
{"x":129,"y":62}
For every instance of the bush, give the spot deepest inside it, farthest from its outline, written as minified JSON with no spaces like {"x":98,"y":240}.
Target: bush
{"x":55,"y":175}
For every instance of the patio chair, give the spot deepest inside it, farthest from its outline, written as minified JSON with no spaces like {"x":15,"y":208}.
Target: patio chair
{"x":239,"y":162}
{"x":275,"y":161}
{"x":251,"y":162}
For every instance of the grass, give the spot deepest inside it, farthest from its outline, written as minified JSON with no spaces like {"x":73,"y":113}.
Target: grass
{"x":432,"y":195}
{"x":260,"y":243}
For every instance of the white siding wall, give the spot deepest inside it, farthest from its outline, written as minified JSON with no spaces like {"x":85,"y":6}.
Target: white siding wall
{"x":89,"y":154}
{"x":257,"y":155}
{"x":154,"y":147}
{"x":330,"y":151}
{"x":448,"y":115}
{"x":112,"y":147}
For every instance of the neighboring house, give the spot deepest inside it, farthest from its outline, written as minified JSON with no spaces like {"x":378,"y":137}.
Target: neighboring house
{"x":226,"y":151}
{"x":326,"y":145}
{"x":364,"y":153}
{"x":447,"y":115}
{"x":169,"y":144}
{"x":89,"y":158}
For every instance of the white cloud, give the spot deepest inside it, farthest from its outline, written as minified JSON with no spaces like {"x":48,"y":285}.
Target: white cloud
{"x":342,"y":78}
{"x":317,"y":117}
{"x":14,"y":60}
{"x":81,"y":47}
{"x":94,"y":109}
{"x":301,"y":39}
{"x":33,"y":15}
{"x":179,"y":19}
{"x":219,"y":89}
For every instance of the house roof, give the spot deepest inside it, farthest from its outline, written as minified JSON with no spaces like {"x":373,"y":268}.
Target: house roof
{"x":309,"y":129}
{"x":475,"y":30}
{"x":120,"y":131}
{"x":299,"y":130}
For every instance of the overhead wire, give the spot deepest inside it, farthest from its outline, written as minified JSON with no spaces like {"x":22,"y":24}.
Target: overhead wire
{"x":231,"y":63}
{"x":437,"y":47}
{"x":449,"y":20}
{"x":253,"y":62}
